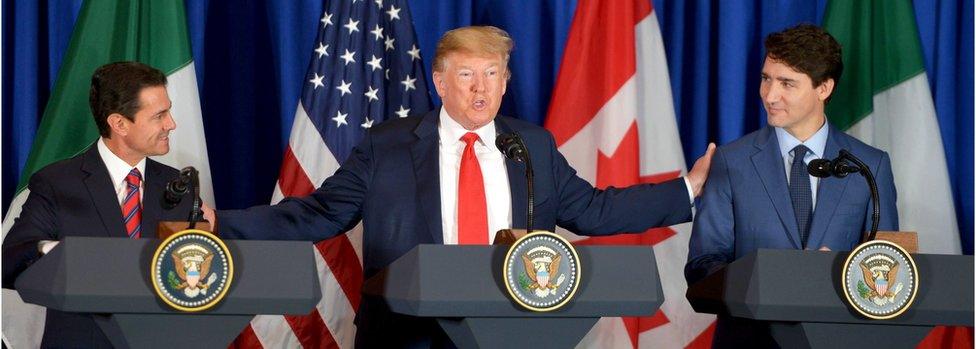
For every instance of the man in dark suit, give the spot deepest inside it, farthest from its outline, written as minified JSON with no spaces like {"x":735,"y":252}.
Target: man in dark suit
{"x":759,"y":194}
{"x":110,"y":190}
{"x":439,"y":179}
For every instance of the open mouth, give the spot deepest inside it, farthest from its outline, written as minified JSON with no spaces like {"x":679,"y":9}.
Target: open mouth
{"x":479,"y":104}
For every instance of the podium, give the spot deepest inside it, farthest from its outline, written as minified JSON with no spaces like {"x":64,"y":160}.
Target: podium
{"x":109,"y":277}
{"x":462,"y":287}
{"x":799,"y":294}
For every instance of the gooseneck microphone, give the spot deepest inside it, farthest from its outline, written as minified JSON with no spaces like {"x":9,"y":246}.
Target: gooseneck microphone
{"x":511,"y":145}
{"x":840,"y":168}
{"x":187,"y":181}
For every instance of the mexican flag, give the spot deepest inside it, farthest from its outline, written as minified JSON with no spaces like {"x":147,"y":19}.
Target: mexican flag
{"x":149,"y":31}
{"x":883,"y":99}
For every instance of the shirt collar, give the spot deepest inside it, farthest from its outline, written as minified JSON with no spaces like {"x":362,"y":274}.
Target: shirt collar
{"x":451,"y":131}
{"x":118,"y":168}
{"x":815,"y":143}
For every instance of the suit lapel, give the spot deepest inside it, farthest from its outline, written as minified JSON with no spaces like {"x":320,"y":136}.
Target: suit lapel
{"x":769,"y":165}
{"x":102,"y":192}
{"x":426,"y":166}
{"x":829,"y":191}
{"x":152,"y":199}
{"x":517,"y":182}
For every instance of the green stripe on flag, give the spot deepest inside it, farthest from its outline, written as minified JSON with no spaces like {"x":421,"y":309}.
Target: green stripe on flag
{"x":149,"y":31}
{"x":880,"y":50}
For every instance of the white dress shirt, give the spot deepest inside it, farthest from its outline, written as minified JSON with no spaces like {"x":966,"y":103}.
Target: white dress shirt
{"x":816,"y":143}
{"x":493,"y":170}
{"x":118,"y":169}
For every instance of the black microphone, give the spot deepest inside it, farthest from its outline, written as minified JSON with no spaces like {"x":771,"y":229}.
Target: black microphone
{"x":824,"y":168}
{"x":177,"y":187}
{"x":188,"y":181}
{"x":511,"y":145}
{"x":840,"y":168}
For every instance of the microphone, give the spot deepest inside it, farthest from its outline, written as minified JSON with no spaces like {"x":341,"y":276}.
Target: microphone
{"x":187,"y":181}
{"x":511,"y":145}
{"x":177,"y":187}
{"x":824,"y":168}
{"x":840,"y":168}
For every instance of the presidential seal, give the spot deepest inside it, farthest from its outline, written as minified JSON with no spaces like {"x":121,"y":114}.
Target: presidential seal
{"x":880,"y":279}
{"x":541,"y":271}
{"x":192,"y":270}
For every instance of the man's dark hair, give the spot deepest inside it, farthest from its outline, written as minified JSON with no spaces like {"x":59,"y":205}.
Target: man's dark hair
{"x":115,"y":88}
{"x":807,"y":49}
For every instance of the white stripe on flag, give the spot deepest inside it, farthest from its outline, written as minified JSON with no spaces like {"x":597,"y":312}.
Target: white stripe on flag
{"x":309,"y":148}
{"x":660,"y":145}
{"x":187,"y":143}
{"x":334,"y":307}
{"x":924,"y":195}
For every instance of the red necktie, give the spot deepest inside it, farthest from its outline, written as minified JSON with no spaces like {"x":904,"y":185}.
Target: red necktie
{"x":131,"y":208}
{"x":472,"y":205}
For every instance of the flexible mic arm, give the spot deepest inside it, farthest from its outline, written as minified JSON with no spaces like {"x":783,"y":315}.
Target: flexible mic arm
{"x":511,"y":145}
{"x":840,"y":168}
{"x":196,"y":214}
{"x":866,"y":172}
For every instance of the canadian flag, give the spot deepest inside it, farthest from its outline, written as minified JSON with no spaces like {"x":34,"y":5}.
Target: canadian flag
{"x":613,"y":118}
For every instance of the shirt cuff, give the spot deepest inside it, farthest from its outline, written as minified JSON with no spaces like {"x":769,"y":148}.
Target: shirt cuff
{"x":45,"y":246}
{"x":691,"y":194}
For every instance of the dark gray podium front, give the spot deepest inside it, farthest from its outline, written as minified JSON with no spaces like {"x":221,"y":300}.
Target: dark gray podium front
{"x":799,"y":294}
{"x":462,"y":287}
{"x":109,"y":277}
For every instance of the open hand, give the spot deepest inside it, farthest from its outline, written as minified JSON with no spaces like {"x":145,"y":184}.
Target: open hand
{"x":699,"y":172}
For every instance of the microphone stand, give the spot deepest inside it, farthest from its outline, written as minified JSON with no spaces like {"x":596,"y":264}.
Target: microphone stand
{"x":196,"y":214}
{"x":511,"y":145}
{"x":529,"y":175}
{"x":866,"y":172}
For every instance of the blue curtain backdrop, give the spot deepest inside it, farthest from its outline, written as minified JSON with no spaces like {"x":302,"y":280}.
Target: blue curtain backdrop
{"x":251,"y":57}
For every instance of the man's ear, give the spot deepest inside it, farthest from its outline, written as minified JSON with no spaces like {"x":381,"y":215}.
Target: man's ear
{"x":439,"y":83}
{"x":825,"y":89}
{"x":118,"y":124}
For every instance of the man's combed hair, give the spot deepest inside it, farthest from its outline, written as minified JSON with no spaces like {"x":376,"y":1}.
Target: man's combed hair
{"x":115,"y":88}
{"x":477,"y":40}
{"x":807,"y":49}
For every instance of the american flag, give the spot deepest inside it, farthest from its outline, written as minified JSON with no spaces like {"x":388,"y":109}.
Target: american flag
{"x":365,"y":68}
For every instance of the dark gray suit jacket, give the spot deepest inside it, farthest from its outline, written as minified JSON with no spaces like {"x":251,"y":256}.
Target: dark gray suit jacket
{"x":76,"y":197}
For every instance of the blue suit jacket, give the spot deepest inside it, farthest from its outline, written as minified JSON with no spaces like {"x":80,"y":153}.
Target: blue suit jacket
{"x":391,"y":183}
{"x":746,"y":206}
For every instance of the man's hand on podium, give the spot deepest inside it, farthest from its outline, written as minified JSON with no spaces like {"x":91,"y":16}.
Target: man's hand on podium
{"x":210,"y":216}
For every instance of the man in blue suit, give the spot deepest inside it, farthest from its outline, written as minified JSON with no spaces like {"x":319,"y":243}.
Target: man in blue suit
{"x":439,"y":179}
{"x":759,"y":194}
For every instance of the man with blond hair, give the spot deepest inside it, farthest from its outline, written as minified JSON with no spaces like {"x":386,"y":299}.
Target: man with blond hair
{"x":439,"y":179}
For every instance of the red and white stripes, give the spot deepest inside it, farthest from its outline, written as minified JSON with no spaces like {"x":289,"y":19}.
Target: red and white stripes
{"x":307,"y":163}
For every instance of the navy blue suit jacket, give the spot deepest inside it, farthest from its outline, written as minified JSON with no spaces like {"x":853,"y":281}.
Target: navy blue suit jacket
{"x":746,"y":203}
{"x":76,"y":197}
{"x":391,"y":183}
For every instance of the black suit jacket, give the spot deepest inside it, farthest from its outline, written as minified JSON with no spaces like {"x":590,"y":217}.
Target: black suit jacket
{"x":76,"y":197}
{"x":391,"y":182}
